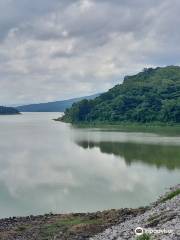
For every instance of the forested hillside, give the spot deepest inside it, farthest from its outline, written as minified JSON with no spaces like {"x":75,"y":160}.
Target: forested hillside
{"x":152,"y":95}
{"x":8,"y":110}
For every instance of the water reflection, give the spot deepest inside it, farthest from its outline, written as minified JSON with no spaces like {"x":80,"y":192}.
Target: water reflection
{"x":43,"y":169}
{"x":157,"y":155}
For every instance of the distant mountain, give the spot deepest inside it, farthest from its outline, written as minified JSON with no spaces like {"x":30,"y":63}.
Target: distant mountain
{"x":58,"y":106}
{"x":152,"y":95}
{"x":8,"y":111}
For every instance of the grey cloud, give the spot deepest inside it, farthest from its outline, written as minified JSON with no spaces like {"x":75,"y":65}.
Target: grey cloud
{"x":15,"y":13}
{"x":62,"y":54}
{"x":46,"y":47}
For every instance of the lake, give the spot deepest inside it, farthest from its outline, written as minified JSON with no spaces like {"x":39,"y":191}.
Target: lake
{"x":48,"y":166}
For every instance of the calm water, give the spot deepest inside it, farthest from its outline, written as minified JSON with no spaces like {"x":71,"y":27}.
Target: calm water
{"x":49,"y":166}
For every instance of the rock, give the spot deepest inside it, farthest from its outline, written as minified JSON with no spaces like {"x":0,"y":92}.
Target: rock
{"x":160,"y":216}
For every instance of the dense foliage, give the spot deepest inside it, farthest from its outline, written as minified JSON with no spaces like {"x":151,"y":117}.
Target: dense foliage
{"x":8,"y":110}
{"x":152,"y":95}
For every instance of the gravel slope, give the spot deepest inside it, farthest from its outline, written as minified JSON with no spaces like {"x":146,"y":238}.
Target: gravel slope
{"x":160,"y":216}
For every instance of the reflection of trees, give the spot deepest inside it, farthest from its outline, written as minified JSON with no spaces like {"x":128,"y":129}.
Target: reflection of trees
{"x":158,"y":155}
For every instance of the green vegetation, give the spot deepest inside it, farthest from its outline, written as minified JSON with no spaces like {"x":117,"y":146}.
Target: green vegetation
{"x":151,"y":96}
{"x":8,"y":110}
{"x":144,"y":237}
{"x":171,"y":195}
{"x":79,"y":220}
{"x":22,"y":228}
{"x":49,"y":230}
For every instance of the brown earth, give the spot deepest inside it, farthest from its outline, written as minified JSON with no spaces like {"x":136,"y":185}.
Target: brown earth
{"x":77,"y":226}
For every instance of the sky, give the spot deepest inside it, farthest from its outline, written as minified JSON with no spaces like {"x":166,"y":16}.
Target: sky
{"x":59,"y":49}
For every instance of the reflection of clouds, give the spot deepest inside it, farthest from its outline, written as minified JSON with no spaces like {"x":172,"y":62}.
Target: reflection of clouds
{"x":76,"y":167}
{"x":135,"y":137}
{"x":21,"y":173}
{"x":48,"y":166}
{"x":112,"y":172}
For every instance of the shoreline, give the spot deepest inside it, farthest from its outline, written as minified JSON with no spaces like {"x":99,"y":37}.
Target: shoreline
{"x":95,"y":226}
{"x":161,"y":128}
{"x":63,"y":226}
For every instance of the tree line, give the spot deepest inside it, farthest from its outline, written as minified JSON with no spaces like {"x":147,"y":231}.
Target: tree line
{"x":152,"y":95}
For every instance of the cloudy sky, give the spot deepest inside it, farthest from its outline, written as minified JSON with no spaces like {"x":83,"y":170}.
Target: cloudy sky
{"x":59,"y":49}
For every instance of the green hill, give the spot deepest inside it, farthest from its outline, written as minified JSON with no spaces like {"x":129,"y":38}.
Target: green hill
{"x":57,"y":106}
{"x":152,"y":95}
{"x":8,"y":111}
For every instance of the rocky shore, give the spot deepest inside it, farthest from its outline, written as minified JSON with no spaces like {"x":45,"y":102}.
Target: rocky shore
{"x":164,"y":214}
{"x":76,"y":226}
{"x":161,"y":221}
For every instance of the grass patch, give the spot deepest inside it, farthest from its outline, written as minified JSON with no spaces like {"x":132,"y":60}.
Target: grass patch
{"x":48,"y":231}
{"x":77,"y":221}
{"x":22,"y":228}
{"x":144,"y":237}
{"x":170,"y":195}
